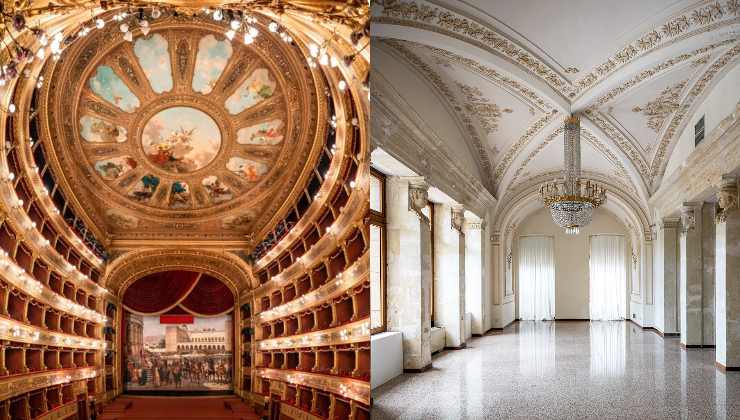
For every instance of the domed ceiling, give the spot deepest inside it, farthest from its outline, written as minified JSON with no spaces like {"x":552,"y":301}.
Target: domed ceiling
{"x":182,"y":132}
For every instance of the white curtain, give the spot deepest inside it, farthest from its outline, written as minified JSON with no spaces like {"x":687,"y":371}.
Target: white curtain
{"x":608,"y":278}
{"x":536,"y":278}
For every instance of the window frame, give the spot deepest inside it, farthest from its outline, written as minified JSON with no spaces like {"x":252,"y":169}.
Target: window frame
{"x":378,"y":218}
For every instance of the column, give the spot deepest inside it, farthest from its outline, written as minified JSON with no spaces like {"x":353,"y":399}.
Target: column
{"x":727,"y":279}
{"x":475,"y":240}
{"x":691,"y":278}
{"x":409,"y":277}
{"x":666,"y":277}
{"x":449,"y":276}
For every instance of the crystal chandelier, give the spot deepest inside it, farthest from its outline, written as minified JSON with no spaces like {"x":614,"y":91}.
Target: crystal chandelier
{"x":570,"y":199}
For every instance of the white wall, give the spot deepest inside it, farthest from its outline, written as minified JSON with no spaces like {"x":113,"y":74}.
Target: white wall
{"x":571,"y":258}
{"x":386,"y":357}
{"x":718,"y":104}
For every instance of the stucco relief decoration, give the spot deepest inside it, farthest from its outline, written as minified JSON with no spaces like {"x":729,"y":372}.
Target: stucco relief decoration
{"x":457,"y":218}
{"x":418,"y":198}
{"x":688,"y":219}
{"x":488,"y":113}
{"x":175,"y":129}
{"x":661,"y":107}
{"x":727,"y":199}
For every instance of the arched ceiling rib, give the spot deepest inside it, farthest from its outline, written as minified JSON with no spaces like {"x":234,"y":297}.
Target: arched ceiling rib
{"x":611,"y":66}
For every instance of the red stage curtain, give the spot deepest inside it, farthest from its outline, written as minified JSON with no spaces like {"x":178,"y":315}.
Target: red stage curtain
{"x":209,"y":297}
{"x":157,"y":292}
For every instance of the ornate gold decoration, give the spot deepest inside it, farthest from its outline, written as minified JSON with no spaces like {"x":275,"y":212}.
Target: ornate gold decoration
{"x":409,"y":13}
{"x":229,"y":268}
{"x":697,"y":89}
{"x":12,"y":330}
{"x":349,"y":388}
{"x":467,"y":124}
{"x":487,"y":112}
{"x":355,"y":332}
{"x":661,"y":107}
{"x":296,"y":101}
{"x":25,"y":383}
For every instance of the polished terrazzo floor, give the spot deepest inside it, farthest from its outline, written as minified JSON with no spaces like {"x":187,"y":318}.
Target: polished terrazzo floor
{"x":565,"y":370}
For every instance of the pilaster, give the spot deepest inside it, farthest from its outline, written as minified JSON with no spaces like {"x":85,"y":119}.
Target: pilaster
{"x":691,"y":275}
{"x":667,"y":277}
{"x":727,"y":259}
{"x":475,"y":242}
{"x":449,"y":276}
{"x":409,"y":269}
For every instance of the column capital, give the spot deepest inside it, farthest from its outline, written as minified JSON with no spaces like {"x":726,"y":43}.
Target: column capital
{"x":688,"y":216}
{"x":670,"y":222}
{"x":727,"y":199}
{"x":457,"y":215}
{"x":418,"y":195}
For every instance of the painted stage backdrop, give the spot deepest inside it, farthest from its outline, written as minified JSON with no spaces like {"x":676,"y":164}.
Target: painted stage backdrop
{"x":182,"y":357}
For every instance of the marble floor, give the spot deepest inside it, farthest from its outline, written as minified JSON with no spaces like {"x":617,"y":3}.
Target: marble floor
{"x":565,"y":370}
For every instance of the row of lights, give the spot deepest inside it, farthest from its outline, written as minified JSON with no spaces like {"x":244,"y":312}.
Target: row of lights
{"x":319,"y":338}
{"x":35,"y":288}
{"x":23,"y":332}
{"x":347,"y":388}
{"x":343,"y":279}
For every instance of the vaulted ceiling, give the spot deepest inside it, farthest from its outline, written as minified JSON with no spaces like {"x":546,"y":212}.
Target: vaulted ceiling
{"x":505,"y":74}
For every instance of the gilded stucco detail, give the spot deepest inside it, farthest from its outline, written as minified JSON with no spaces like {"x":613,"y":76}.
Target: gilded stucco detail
{"x":660,"y":108}
{"x":697,"y":89}
{"x":487,"y":112}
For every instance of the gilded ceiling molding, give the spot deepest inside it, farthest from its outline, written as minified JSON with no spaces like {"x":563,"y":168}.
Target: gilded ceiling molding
{"x":131,"y":266}
{"x":492,"y":75}
{"x":655,"y":70}
{"x":701,"y":172}
{"x":624,"y":144}
{"x":591,"y":139}
{"x":526,"y":191}
{"x":482,"y":155}
{"x":436,"y":19}
{"x":660,"y":108}
{"x":704,"y":18}
{"x":513,"y":151}
{"x":675,"y":127}
{"x":406,"y":137}
{"x":478,"y":105}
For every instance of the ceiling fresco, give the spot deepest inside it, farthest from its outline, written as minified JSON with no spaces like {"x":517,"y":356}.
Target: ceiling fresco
{"x":184,"y":127}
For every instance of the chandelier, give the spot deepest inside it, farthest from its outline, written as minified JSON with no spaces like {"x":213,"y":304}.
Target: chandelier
{"x":572,"y":200}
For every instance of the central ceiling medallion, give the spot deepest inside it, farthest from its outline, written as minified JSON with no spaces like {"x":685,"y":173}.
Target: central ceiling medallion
{"x":181,"y":140}
{"x":183,"y":127}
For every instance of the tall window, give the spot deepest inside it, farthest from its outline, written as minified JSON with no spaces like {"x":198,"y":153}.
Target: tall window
{"x":377,"y":252}
{"x":608,"y":277}
{"x":536,"y":278}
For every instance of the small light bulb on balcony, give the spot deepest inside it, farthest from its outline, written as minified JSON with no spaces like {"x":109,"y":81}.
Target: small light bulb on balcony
{"x":342,"y":85}
{"x":218,"y":15}
{"x":313,"y":49}
{"x":230,"y":34}
{"x":273,"y":27}
{"x":123,"y":27}
{"x":248,"y":39}
{"x":251,"y":30}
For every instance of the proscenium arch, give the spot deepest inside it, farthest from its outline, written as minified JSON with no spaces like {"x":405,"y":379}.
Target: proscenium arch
{"x":227,"y":267}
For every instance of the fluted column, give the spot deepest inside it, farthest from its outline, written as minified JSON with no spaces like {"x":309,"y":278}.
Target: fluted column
{"x":691,"y":280}
{"x":727,"y":279}
{"x":449,"y":274}
{"x":409,"y":277}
